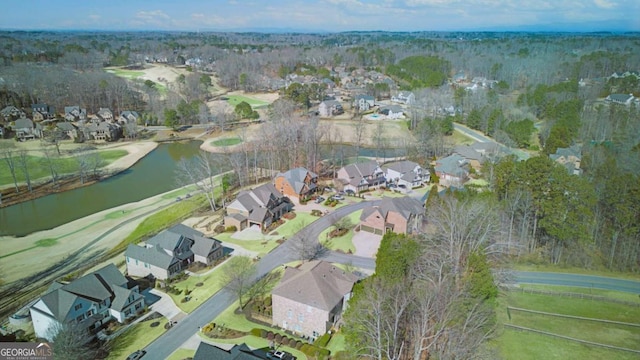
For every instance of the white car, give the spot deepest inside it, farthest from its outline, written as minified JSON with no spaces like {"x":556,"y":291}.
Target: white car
{"x":337,"y":197}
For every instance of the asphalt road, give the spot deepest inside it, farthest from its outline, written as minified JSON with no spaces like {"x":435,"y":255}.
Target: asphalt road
{"x":522,"y":155}
{"x":587,"y":281}
{"x":172,"y":339}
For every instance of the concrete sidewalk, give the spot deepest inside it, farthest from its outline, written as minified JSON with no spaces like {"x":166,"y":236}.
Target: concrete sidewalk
{"x":166,"y":306}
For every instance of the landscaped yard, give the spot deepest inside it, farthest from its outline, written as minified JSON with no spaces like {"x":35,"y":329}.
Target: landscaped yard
{"x":136,"y":337}
{"x":263,"y":245}
{"x":234,"y":100}
{"x":344,"y":242}
{"x":127,"y":74}
{"x":211,"y":284}
{"x":516,"y":344}
{"x":181,"y":354}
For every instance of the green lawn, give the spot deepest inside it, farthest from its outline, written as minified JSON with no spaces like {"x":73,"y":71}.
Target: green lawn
{"x":515,"y":344}
{"x":582,"y":290}
{"x":226,"y":142}
{"x":128,"y":74}
{"x":337,"y":343}
{"x":234,"y":100}
{"x":255,"y":342}
{"x":181,"y":354}
{"x":343,"y":242}
{"x":180,"y":192}
{"x":212,"y":283}
{"x":291,"y":227}
{"x":262,"y":246}
{"x":136,"y":337}
{"x":38,"y":167}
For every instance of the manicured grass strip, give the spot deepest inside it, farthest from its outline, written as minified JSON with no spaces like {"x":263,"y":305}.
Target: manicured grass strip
{"x":291,"y":227}
{"x":211,"y":284}
{"x":344,"y":242}
{"x":181,"y":354}
{"x":179,"y":192}
{"x":226,"y":142}
{"x":582,"y":290}
{"x":38,"y":167}
{"x":160,"y":221}
{"x":575,"y":270}
{"x":337,"y":343}
{"x":129,"y":74}
{"x":234,"y":100}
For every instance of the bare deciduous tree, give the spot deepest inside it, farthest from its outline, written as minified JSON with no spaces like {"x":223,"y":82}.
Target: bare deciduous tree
{"x":239,"y":276}
{"x":201,"y":171}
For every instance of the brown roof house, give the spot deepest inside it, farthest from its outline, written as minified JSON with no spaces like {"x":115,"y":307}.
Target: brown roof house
{"x":298,"y":183}
{"x":260,"y":206}
{"x":309,"y":300}
{"x":400,"y":215}
{"x":91,"y":302}
{"x":171,"y":251}
{"x":361,"y":176}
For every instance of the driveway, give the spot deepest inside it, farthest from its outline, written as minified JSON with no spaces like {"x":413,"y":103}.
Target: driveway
{"x":165,"y":305}
{"x":366,"y":243}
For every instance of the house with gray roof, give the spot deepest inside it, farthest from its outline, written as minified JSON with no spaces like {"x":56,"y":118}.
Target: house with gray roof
{"x":26,"y":129}
{"x":68,"y":129}
{"x":170,"y":252}
{"x":128,"y":117}
{"x":363,"y":102}
{"x":41,"y":112}
{"x":90,"y":302}
{"x":207,"y":351}
{"x":392,"y":111}
{"x":309,"y":299}
{"x":296,"y":184}
{"x":407,"y":173}
{"x":75,"y":113}
{"x":406,"y":98}
{"x":621,"y":99}
{"x":400,"y":215}
{"x":569,"y":157}
{"x":105,"y":114}
{"x":362,"y":176}
{"x":452,"y":170}
{"x":10,"y":113}
{"x":329,"y":108}
{"x":260,"y":206}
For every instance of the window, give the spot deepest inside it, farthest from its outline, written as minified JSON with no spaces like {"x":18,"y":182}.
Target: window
{"x":138,"y":306}
{"x":290,"y":314}
{"x":300,"y":317}
{"x":77,"y":307}
{"x":308,"y":309}
{"x":80,"y":318}
{"x":89,"y":313}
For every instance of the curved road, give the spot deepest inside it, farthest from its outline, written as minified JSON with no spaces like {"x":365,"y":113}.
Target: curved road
{"x":173,"y":338}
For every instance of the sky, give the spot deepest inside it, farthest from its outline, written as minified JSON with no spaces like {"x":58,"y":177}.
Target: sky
{"x":322,"y":15}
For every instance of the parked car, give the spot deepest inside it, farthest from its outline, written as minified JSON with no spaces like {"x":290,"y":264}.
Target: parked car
{"x":337,"y":197}
{"x":136,"y":355}
{"x":319,"y":199}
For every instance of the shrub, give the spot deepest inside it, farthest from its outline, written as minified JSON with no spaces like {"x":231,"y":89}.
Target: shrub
{"x":219,"y":229}
{"x":256,"y":332}
{"x":299,"y":344}
{"x":231,"y":228}
{"x":278,"y":338}
{"x":263,"y":333}
{"x":270,"y":335}
{"x":323,"y":340}
{"x":292,"y":343}
{"x":267,"y":301}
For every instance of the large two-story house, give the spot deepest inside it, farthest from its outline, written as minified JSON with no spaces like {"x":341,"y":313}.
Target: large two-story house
{"x":361,"y":176}
{"x":89,"y":302}
{"x":309,"y":300}
{"x":364,"y":102}
{"x":330,"y":108}
{"x":26,"y":129}
{"x":296,"y":184}
{"x":170,"y":252}
{"x":400,"y":215}
{"x":407,"y":173}
{"x":260,"y":206}
{"x":452,"y":170}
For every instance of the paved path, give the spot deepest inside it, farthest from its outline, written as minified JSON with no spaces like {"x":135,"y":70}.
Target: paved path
{"x":166,"y":306}
{"x":588,"y":281}
{"x":479,"y":137}
{"x":173,"y":338}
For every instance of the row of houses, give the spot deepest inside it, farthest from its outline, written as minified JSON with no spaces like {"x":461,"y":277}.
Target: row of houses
{"x":44,"y":112}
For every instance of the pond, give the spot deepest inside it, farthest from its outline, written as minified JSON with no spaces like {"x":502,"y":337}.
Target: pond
{"x":152,"y":175}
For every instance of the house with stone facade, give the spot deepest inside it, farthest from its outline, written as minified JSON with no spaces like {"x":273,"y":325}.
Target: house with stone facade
{"x":170,"y":252}
{"x":260,"y":206}
{"x":310,"y":299}
{"x":400,"y":215}
{"x":90,"y":302}
{"x":296,"y":184}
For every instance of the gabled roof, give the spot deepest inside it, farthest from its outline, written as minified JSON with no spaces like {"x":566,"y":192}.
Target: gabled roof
{"x":468,"y":152}
{"x":154,"y":256}
{"x":402,"y":167}
{"x":451,"y":165}
{"x":574,"y":150}
{"x":330,"y":103}
{"x":66,"y":126}
{"x":405,"y":206}
{"x":203,"y":246}
{"x":121,"y":296}
{"x":24,"y":123}
{"x":295,"y":178}
{"x":238,"y":352}
{"x":318,"y":284}
{"x":96,"y":286}
{"x":365,"y":97}
{"x":623,"y":98}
